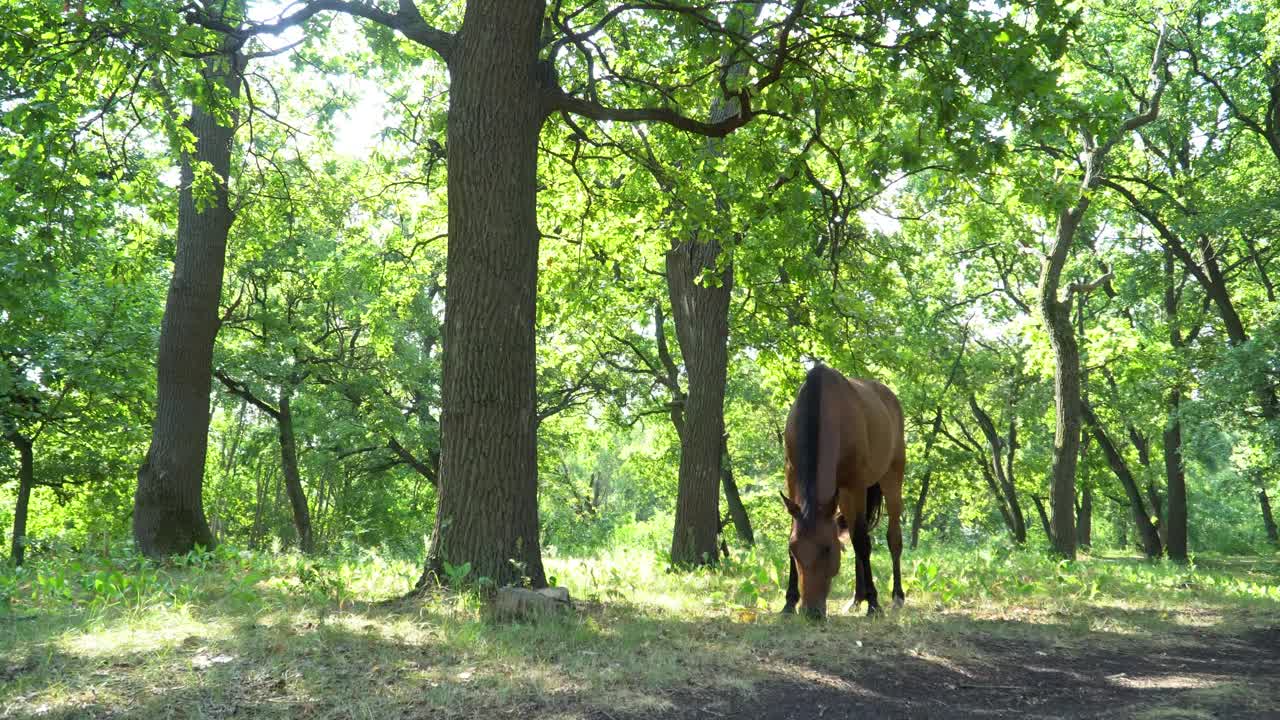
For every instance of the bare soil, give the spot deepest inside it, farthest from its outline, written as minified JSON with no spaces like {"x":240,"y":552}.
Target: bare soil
{"x":1188,"y":673}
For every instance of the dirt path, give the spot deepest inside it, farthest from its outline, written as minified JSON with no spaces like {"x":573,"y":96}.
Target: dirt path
{"x":1191,"y":673}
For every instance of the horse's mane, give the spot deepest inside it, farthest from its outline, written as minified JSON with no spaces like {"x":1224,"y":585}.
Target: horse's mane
{"x":809,"y":416}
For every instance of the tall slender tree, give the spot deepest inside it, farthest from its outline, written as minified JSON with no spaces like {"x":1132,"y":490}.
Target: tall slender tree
{"x":168,"y":510}
{"x":1055,"y":310}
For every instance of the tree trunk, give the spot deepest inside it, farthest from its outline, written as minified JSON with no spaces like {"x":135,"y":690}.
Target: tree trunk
{"x":168,"y":511}
{"x":1084,"y":518}
{"x":263,"y":484}
{"x":1268,"y":520}
{"x":1056,"y":315}
{"x":1016,"y":522}
{"x":488,"y":504}
{"x":998,"y":497}
{"x":737,"y":511}
{"x":1044,"y":517}
{"x":1175,"y":525}
{"x":1264,"y":389}
{"x":1208,"y":274}
{"x":292,"y":478}
{"x":1150,"y":538}
{"x":917,"y":516}
{"x":26,"y":480}
{"x":701,"y":315}
{"x":1176,"y":478}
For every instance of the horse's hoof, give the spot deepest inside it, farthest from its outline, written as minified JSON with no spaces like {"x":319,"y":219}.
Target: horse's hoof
{"x":873,"y":610}
{"x":789,"y":609}
{"x":899,"y":601}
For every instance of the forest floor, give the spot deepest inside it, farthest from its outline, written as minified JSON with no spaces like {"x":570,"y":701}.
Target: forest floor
{"x":985,"y":633}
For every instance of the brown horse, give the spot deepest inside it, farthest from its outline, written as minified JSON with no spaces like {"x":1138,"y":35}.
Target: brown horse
{"x":845,"y":450}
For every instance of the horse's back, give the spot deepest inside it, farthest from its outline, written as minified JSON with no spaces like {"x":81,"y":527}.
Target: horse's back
{"x":867,"y":411}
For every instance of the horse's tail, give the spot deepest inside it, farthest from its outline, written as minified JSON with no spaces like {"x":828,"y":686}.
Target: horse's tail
{"x":874,"y":498}
{"x":809,"y":420}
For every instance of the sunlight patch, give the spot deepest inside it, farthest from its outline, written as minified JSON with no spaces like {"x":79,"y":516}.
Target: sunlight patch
{"x":942,"y":662}
{"x":826,"y":679}
{"x":1165,"y":682}
{"x":156,"y":633}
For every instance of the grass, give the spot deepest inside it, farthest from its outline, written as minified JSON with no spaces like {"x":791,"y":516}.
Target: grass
{"x":261,"y":635}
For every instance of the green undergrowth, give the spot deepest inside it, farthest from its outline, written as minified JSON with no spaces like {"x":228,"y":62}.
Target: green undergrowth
{"x":256,"y":634}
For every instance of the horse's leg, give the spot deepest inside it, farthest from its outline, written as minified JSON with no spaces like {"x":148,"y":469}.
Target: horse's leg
{"x":891,"y":485}
{"x":853,"y":504}
{"x":862,"y":547}
{"x":793,"y":582}
{"x":793,"y":589}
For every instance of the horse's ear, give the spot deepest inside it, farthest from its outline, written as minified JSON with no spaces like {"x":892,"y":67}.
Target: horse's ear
{"x":792,"y":508}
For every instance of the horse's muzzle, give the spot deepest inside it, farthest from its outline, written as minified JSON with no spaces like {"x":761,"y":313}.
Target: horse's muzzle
{"x":813,"y":613}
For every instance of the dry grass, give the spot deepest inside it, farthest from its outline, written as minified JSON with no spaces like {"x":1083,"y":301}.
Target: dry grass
{"x":244,"y":635}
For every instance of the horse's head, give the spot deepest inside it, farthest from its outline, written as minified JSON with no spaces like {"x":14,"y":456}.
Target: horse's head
{"x":815,"y":546}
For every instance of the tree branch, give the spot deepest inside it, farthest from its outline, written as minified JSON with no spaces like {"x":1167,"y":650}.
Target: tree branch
{"x":407,"y":20}
{"x":242,"y":390}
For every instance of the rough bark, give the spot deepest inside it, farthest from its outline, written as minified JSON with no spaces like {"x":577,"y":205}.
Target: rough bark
{"x":1017,"y":525}
{"x":1141,"y":516}
{"x":488,"y":484}
{"x":292,"y":478}
{"x":1056,"y":312}
{"x":1056,"y":315}
{"x":168,"y":514}
{"x":26,"y":481}
{"x":737,"y":511}
{"x":701,"y":315}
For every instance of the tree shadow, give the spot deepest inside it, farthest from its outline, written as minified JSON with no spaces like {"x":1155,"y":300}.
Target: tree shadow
{"x":411,"y":659}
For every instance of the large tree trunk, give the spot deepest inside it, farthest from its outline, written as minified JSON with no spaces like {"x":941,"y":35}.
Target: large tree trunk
{"x":26,"y":480}
{"x":1017,"y":524}
{"x":488,"y":508}
{"x":292,"y":478}
{"x":168,"y":510}
{"x":1056,"y":315}
{"x":737,"y":511}
{"x":701,"y":315}
{"x":1141,"y":517}
{"x":917,"y":515}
